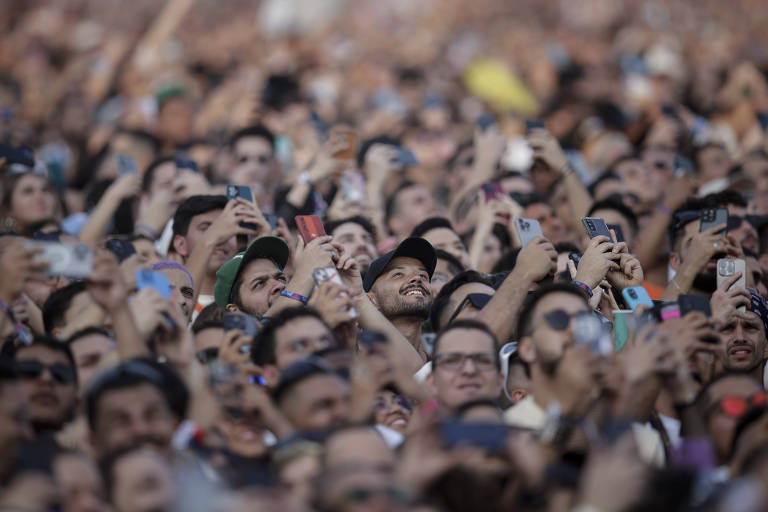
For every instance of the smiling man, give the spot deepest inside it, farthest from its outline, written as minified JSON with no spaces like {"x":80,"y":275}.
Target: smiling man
{"x":398,"y":285}
{"x":358,"y":237}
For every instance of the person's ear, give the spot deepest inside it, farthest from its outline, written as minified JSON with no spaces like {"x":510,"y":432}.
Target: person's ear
{"x":372,"y":297}
{"x":518,"y":395}
{"x":674,"y":260}
{"x":430,"y":382}
{"x":526,"y":350}
{"x":232,"y":308}
{"x":179,"y":243}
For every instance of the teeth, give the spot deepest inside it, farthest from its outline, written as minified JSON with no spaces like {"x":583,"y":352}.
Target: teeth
{"x":415,"y":292}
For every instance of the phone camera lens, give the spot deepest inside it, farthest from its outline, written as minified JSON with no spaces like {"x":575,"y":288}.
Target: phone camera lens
{"x":633,"y":294}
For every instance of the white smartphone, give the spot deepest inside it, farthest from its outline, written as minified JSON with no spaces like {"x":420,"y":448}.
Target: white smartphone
{"x":726,"y":268}
{"x":68,"y":260}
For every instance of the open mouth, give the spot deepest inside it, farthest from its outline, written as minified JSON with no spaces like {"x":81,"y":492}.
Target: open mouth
{"x":415,"y":292}
{"x":740,"y":352}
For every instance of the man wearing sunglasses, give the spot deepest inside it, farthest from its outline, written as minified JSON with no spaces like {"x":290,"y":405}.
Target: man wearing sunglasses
{"x":723,"y":402}
{"x":48,"y":373}
{"x":462,"y":297}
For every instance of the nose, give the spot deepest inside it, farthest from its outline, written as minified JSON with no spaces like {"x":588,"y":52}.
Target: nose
{"x":469,"y":366}
{"x":277,"y":287}
{"x":416,"y":279}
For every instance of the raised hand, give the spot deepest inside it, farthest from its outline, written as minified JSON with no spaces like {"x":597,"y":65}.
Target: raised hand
{"x":597,"y":261}
{"x":537,"y":260}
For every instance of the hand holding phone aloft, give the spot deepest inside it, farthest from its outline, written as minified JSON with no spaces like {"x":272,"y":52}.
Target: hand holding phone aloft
{"x":68,"y":260}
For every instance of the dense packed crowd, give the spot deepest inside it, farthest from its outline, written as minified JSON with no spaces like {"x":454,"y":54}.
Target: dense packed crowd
{"x":420,"y":256}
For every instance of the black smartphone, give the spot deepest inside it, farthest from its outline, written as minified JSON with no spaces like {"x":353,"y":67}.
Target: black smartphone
{"x":244,"y":192}
{"x":575,"y":257}
{"x":711,"y":217}
{"x":489,"y":436}
{"x":246,"y":323}
{"x":690,"y":303}
{"x":596,"y":227}
{"x":533,"y":124}
{"x":762,"y":118}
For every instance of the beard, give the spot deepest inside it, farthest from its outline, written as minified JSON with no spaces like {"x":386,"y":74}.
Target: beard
{"x":399,"y":307}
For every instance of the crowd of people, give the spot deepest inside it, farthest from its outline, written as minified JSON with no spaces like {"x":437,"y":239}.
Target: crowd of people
{"x":417,"y":256}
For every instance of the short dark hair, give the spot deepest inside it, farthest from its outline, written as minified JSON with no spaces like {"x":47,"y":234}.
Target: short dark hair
{"x":58,"y":303}
{"x":617,"y":206}
{"x":51,"y":344}
{"x":330,"y":227}
{"x":298,"y":372}
{"x":134,"y":373}
{"x":526,"y":314}
{"x":681,"y":218}
{"x":195,"y":205}
{"x":429,"y":224}
{"x":263,"y":347}
{"x":454,"y":265}
{"x":210,"y":317}
{"x":467,"y":323}
{"x":568,"y":247}
{"x":444,"y":297}
{"x":723,"y":199}
{"x":606,"y":176}
{"x":82,"y":333}
{"x":369,"y":143}
{"x":507,"y":261}
{"x":698,"y":149}
{"x":257,"y":130}
{"x":149,"y":175}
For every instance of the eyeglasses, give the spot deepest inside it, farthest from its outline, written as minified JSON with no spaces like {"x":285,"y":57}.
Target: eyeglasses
{"x":261,"y":159}
{"x":454,"y":361}
{"x":33,"y":369}
{"x":207,"y":355}
{"x":478,"y":300}
{"x":362,"y":495}
{"x":737,"y":406}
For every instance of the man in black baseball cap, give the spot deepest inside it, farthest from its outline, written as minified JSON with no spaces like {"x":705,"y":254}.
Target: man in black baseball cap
{"x":398,"y":285}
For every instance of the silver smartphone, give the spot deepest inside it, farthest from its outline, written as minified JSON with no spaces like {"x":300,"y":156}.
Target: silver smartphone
{"x":527,"y":229}
{"x":68,"y":260}
{"x":726,"y":268}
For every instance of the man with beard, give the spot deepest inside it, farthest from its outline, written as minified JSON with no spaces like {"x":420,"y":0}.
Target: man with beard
{"x":398,"y":285}
{"x":695,"y":253}
{"x":561,"y":372}
{"x":49,"y":376}
{"x":358,"y":237}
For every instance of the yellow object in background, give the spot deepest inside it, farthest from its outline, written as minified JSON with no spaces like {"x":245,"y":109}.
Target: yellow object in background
{"x":492,"y":80}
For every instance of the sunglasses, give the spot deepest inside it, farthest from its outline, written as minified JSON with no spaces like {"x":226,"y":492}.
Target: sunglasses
{"x":382,"y":404}
{"x":33,"y":369}
{"x":478,"y":300}
{"x":559,"y":319}
{"x":207,"y":355}
{"x":737,"y":406}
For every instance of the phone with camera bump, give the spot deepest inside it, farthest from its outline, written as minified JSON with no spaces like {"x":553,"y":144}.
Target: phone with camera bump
{"x":68,"y":260}
{"x":617,"y":231}
{"x":352,"y":187}
{"x":243,"y":192}
{"x":596,"y":226}
{"x":690,"y":303}
{"x":323,"y":274}
{"x":711,"y":217}
{"x":240,"y":321}
{"x":158,"y":281}
{"x":527,"y":230}
{"x":406,"y":157}
{"x":728,"y":267}
{"x":635,"y":296}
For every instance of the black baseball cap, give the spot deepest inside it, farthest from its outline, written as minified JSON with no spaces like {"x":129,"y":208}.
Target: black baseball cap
{"x":413,"y":247}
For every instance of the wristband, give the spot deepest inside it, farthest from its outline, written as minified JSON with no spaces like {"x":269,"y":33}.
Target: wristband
{"x":661,"y":207}
{"x":584,"y":287}
{"x":294,"y":296}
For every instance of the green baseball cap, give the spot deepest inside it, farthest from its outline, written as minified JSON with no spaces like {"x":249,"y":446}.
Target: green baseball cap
{"x":265,"y":247}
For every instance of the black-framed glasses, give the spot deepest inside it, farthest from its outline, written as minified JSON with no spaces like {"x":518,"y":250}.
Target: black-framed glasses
{"x":33,"y":369}
{"x":207,"y":355}
{"x":478,"y":300}
{"x":454,"y":361}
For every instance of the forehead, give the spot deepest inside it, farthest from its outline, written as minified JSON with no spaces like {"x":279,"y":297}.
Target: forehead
{"x":42,"y":354}
{"x":252,"y":145}
{"x":610,"y":216}
{"x":321,"y":385}
{"x":560,"y":300}
{"x":466,"y":341}
{"x":131,"y":397}
{"x":177,"y":276}
{"x":91,"y":342}
{"x":206,"y":217}
{"x":349,"y":228}
{"x":413,"y":192}
{"x":30,"y":179}
{"x":405,"y":262}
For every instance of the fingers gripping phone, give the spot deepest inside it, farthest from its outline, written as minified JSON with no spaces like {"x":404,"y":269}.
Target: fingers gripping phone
{"x":727,"y":268}
{"x":158,"y":281}
{"x":323,"y":274}
{"x":246,"y":323}
{"x":68,"y":260}
{"x":711,"y":217}
{"x":310,"y":227}
{"x":527,"y":230}
{"x":243,"y":192}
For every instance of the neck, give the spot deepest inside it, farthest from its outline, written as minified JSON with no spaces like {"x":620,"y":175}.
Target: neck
{"x":410,"y":328}
{"x":208,"y":283}
{"x":542,"y":388}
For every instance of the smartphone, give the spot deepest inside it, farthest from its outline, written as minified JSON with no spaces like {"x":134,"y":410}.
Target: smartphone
{"x":158,"y":281}
{"x":617,"y":230}
{"x":352,"y":187}
{"x":636,"y":295}
{"x":370,"y":338}
{"x":244,"y":192}
{"x":21,"y":155}
{"x":182,"y":161}
{"x":727,"y":267}
{"x":323,"y":274}
{"x":246,"y":323}
{"x":669,"y":311}
{"x":587,"y":331}
{"x":484,"y":122}
{"x":350,"y":152}
{"x":492,"y":190}
{"x":406,"y":157}
{"x":681,"y":166}
{"x":596,"y":227}
{"x":711,"y":217}
{"x":310,"y":227}
{"x":68,"y":260}
{"x":126,"y":164}
{"x":527,"y":229}
{"x":762,"y":118}
{"x":690,"y":303}
{"x":623,"y":322}
{"x":489,"y":436}
{"x":533,"y":124}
